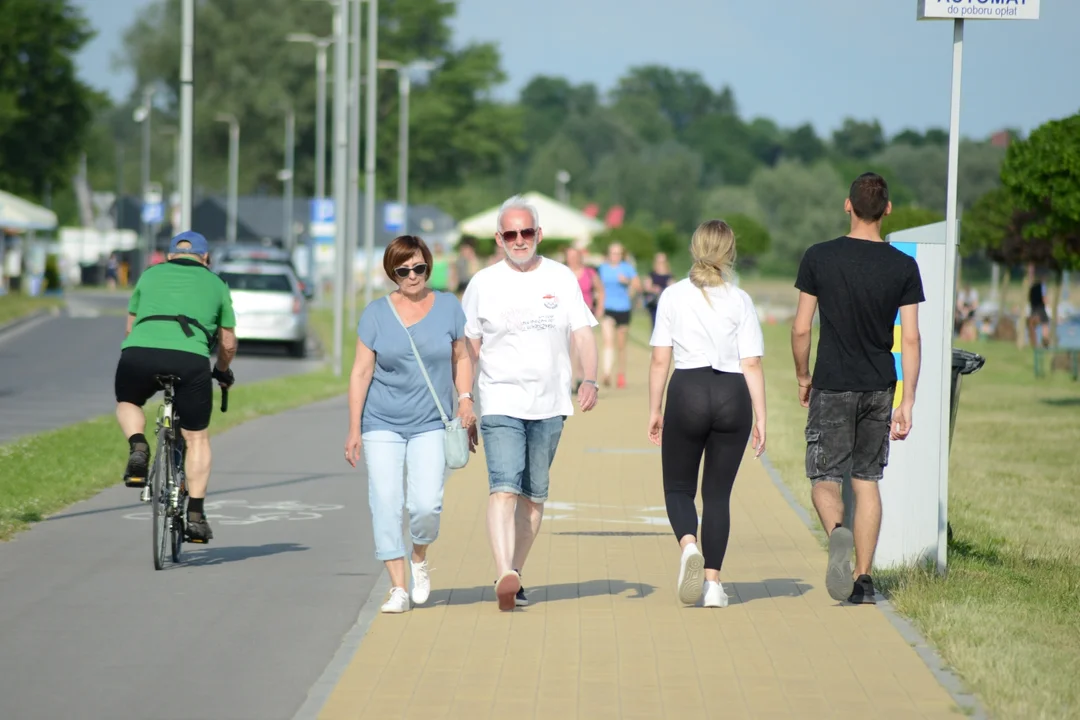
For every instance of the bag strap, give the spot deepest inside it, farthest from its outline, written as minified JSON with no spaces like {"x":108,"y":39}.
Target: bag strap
{"x":416,"y":354}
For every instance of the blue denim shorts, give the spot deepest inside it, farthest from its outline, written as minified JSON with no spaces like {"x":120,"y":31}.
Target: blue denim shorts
{"x":519,"y":454}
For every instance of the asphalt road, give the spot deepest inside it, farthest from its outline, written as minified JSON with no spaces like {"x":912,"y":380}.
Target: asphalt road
{"x":59,"y":370}
{"x":241,"y":629}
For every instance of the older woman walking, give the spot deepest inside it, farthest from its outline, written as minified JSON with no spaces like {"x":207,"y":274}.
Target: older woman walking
{"x":711,"y":330}
{"x":393,"y":415}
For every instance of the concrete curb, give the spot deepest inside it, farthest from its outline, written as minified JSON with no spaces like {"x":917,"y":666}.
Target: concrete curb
{"x":964,"y":699}
{"x":320,"y":692}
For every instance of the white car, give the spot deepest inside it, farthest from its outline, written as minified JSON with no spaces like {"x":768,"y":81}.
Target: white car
{"x":270,"y":304}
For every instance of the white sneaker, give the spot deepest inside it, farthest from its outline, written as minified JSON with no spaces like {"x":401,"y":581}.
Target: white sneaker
{"x":691,"y":574}
{"x":398,"y":602}
{"x":714,"y":595}
{"x":421,"y":582}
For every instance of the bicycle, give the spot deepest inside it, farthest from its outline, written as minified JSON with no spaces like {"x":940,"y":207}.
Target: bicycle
{"x":166,"y":490}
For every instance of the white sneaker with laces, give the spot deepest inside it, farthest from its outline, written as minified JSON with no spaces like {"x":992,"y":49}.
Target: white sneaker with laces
{"x":714,"y":595}
{"x":421,"y":582}
{"x":398,"y":602}
{"x":691,"y":574}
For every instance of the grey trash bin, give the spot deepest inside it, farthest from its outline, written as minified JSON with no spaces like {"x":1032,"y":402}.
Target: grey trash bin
{"x":964,"y":362}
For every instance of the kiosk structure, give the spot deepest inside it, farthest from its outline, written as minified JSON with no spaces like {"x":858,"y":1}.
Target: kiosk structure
{"x":914,"y":518}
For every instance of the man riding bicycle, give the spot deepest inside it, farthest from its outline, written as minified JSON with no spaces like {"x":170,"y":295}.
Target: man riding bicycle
{"x":178,"y":311}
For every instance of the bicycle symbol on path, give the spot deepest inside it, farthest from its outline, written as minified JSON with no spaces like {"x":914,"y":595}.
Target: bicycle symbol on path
{"x":260,"y":512}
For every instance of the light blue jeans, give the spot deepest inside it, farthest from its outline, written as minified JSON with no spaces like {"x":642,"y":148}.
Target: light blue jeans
{"x":387,"y":454}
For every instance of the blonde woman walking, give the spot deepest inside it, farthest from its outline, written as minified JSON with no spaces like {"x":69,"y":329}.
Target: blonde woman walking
{"x":715,"y":400}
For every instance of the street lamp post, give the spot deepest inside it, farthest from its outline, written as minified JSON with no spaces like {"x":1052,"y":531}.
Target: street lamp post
{"x":234,"y":172}
{"x":404,"y":71}
{"x":288,"y":236}
{"x":371,"y":91}
{"x":143,"y":115}
{"x":341,"y":118}
{"x":320,"y":43}
{"x":187,"y":100}
{"x":352,"y":238}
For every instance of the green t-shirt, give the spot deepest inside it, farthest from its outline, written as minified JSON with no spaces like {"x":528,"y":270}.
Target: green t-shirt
{"x":179,"y":287}
{"x":440,"y":274}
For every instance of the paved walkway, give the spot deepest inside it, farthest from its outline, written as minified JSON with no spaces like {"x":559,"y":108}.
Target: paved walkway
{"x":605,"y":636}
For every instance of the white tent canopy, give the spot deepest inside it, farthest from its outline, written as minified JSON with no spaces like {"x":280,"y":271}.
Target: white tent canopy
{"x":558,"y":221}
{"x":19,"y":214}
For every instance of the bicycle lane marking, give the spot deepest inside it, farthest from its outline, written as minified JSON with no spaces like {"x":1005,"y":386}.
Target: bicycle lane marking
{"x":264,"y":511}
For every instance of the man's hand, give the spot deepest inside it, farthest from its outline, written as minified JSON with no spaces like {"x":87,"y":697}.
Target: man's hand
{"x":804,"y":392}
{"x":901,"y":421}
{"x":474,"y":437}
{"x":587,"y":395}
{"x":225,"y":378}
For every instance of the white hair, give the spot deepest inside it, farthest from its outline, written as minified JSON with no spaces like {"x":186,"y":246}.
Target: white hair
{"x":516,"y":202}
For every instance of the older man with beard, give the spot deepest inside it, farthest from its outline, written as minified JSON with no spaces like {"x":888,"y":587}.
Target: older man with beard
{"x":520,"y":315}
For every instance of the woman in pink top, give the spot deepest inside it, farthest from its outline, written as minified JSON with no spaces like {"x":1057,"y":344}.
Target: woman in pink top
{"x":593,"y":291}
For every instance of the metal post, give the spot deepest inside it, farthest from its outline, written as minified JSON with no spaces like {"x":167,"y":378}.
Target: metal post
{"x":945,"y":393}
{"x":369,"y":150}
{"x":352,"y":240}
{"x":404,"y":90}
{"x":341,"y":59}
{"x":148,"y":94}
{"x":234,"y":173}
{"x":320,"y":156}
{"x":288,"y":237}
{"x":187,"y":102}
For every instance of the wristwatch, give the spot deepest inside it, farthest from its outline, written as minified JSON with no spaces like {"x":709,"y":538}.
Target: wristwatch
{"x":464,"y":396}
{"x":590,"y":382}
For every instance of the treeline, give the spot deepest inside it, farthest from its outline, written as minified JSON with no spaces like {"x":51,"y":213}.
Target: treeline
{"x":662,"y":143}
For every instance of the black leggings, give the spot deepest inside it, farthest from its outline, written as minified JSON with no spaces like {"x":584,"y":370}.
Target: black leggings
{"x":707,"y":412}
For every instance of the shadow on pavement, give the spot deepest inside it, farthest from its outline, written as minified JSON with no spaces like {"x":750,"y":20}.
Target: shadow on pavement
{"x":219,"y":555}
{"x":543,"y":593}
{"x":744,"y":592}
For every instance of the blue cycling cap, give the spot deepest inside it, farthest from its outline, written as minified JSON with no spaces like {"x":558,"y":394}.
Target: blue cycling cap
{"x":198,"y":243}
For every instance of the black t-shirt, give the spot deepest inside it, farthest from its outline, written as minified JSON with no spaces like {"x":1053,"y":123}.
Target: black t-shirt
{"x":860,"y":285}
{"x":1035,"y":296}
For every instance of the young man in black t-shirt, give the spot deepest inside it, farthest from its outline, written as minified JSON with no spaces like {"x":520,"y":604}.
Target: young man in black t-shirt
{"x":859,"y":283}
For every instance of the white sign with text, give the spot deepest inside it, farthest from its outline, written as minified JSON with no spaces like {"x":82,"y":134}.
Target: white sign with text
{"x":979,"y":9}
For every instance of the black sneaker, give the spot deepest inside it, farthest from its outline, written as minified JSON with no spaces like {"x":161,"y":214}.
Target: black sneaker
{"x":521,"y":599}
{"x":198,"y":529}
{"x":138,"y":465}
{"x":863,"y":591}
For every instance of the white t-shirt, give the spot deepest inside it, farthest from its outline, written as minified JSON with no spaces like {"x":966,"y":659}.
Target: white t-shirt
{"x":703,"y":335}
{"x":524,"y":320}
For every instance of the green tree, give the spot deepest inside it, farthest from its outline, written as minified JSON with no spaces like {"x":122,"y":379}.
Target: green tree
{"x":804,"y":145}
{"x":669,"y":240}
{"x":908,"y":216}
{"x":245,"y":66}
{"x":859,"y":140}
{"x":45,"y":110}
{"x":638,"y":242}
{"x":752,"y":239}
{"x":547,"y":102}
{"x":1043,"y":174}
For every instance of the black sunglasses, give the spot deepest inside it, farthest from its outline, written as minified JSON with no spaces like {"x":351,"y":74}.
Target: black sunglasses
{"x":403,"y":272}
{"x":526,"y":234}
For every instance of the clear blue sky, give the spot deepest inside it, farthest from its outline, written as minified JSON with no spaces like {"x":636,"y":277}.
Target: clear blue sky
{"x":791,"y":60}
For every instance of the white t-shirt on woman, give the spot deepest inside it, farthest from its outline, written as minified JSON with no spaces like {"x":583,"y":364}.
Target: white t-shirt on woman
{"x":717,"y":333}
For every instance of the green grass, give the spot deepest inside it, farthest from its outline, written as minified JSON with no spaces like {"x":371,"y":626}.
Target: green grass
{"x":16,"y":305}
{"x":1006,"y":617}
{"x":42,"y":474}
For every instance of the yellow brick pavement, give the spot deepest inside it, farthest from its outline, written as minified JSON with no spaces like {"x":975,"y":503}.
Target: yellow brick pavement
{"x":605,"y":636}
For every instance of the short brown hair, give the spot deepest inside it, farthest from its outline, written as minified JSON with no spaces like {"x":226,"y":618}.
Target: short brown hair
{"x":400,"y":250}
{"x":869,"y":197}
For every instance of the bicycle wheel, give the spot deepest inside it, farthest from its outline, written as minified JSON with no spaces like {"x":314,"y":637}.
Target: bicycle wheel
{"x":159,"y":499}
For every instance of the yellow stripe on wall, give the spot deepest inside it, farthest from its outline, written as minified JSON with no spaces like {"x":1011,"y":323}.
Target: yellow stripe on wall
{"x":896,"y":338}
{"x":899,"y":394}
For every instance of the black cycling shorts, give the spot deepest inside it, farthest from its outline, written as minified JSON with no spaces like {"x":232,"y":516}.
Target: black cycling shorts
{"x":193,"y":394}
{"x":621,"y":317}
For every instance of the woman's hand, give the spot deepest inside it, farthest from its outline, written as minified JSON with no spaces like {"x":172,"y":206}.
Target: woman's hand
{"x":656,"y":427}
{"x":759,"y":438}
{"x":352,"y":447}
{"x":468,"y":421}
